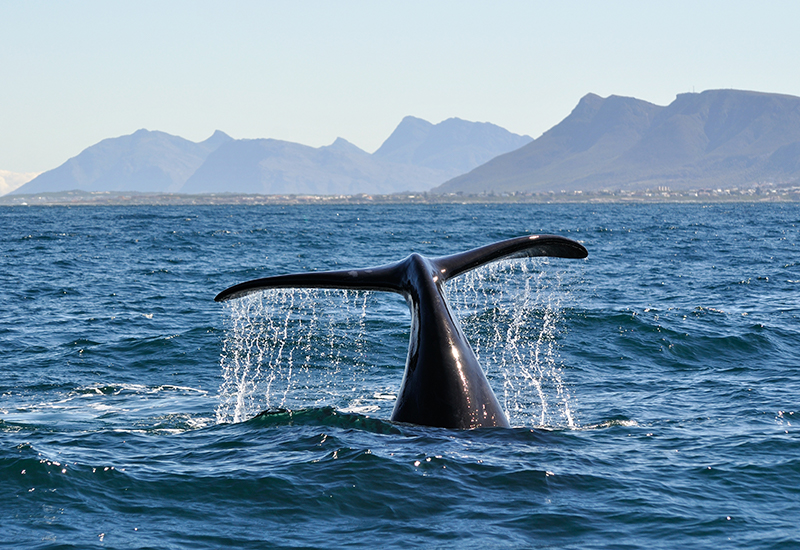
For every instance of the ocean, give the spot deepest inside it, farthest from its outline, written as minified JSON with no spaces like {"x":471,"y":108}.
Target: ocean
{"x":653,"y":388}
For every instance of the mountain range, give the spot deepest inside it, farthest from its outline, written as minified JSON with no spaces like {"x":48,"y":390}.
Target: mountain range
{"x":417,"y":156}
{"x":716,"y":138}
{"x":701,"y":140}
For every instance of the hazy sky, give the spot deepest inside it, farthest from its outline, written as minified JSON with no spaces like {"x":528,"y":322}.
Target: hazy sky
{"x":75,"y":72}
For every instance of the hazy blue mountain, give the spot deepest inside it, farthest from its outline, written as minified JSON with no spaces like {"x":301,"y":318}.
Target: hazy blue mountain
{"x":401,"y":144}
{"x":269,"y":166}
{"x":454,"y":146}
{"x":416,"y":157}
{"x":714,"y":138}
{"x":142,"y":161}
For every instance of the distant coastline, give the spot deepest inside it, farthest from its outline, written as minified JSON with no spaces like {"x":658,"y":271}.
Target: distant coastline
{"x":760,"y":193}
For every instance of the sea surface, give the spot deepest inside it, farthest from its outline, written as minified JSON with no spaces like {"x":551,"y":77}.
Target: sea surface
{"x":653,"y":388}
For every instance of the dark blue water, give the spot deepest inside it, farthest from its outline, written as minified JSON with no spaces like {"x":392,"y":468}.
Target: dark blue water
{"x":654,"y":387}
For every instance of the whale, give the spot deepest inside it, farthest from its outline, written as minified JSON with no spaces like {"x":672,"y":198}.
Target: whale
{"x":443,"y":383}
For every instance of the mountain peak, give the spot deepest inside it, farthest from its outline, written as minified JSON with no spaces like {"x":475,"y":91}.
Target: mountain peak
{"x":406,"y":136}
{"x":454,"y":145}
{"x":217,"y":138}
{"x":409,"y":119}
{"x":341,"y":145}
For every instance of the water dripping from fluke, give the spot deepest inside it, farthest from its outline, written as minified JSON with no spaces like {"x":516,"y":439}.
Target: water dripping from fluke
{"x":316,"y":340}
{"x":287,"y":349}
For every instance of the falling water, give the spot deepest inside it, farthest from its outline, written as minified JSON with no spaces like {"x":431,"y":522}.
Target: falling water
{"x":512,"y":312}
{"x":288,"y":348}
{"x":301,"y":348}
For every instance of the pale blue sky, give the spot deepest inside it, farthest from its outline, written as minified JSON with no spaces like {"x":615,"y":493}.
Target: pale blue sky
{"x":75,"y":72}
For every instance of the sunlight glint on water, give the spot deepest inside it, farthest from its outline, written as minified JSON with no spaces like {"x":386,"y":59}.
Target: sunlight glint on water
{"x":301,"y":348}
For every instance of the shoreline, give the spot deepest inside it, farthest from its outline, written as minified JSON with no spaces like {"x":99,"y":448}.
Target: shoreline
{"x":109,"y":198}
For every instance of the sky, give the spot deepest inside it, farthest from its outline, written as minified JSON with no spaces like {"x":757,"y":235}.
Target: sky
{"x":75,"y":72}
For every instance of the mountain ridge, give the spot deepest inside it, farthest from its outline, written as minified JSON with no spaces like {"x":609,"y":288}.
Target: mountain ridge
{"x":142,"y":161}
{"x":152,"y":161}
{"x":715,"y":137}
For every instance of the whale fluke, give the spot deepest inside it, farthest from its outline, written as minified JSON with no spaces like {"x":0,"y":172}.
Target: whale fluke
{"x":443,"y":384}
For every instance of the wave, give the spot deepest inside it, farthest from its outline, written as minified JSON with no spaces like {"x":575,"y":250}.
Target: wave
{"x":323,"y":416}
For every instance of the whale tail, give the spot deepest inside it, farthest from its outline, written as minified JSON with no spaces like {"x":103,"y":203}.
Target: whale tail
{"x":443,"y":384}
{"x":393,"y":277}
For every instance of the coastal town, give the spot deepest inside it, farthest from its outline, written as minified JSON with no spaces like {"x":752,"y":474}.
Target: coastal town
{"x":758,"y":192}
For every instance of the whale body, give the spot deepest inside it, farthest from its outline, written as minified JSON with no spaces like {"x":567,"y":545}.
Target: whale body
{"x":443,"y":383}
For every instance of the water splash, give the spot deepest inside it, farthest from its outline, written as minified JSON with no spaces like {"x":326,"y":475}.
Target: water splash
{"x":286,"y":348}
{"x":301,"y":348}
{"x":512,"y":314}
